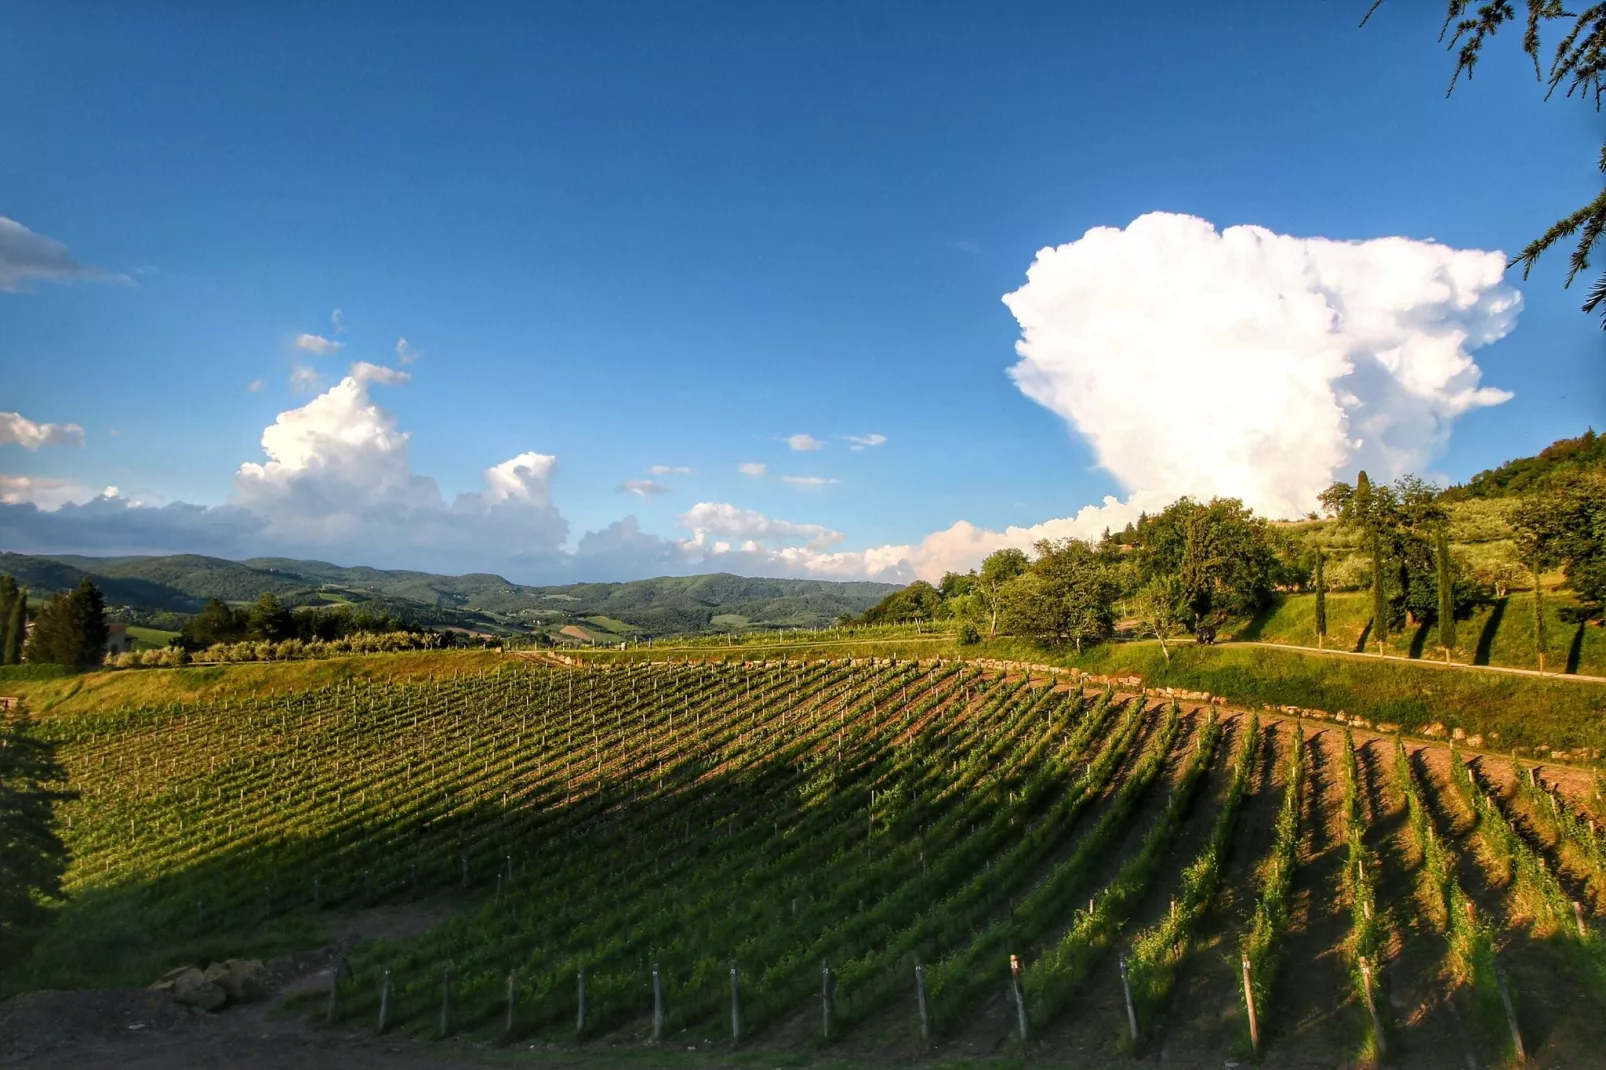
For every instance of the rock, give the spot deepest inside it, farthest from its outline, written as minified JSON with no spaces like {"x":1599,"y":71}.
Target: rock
{"x":1458,"y":733}
{"x":1434,"y":730}
{"x":1474,"y":741}
{"x":1386,"y":726}
{"x":244,"y":980}
{"x":192,"y":988}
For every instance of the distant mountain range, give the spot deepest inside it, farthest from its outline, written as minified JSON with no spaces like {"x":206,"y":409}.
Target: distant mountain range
{"x":160,"y":587}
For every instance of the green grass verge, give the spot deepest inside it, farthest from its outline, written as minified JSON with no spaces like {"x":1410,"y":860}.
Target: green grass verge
{"x":1499,"y":634}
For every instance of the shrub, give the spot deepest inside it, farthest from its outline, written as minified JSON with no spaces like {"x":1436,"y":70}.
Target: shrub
{"x":968,"y":635}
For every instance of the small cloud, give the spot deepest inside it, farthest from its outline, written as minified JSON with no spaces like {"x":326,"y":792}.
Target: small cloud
{"x":808,"y":481}
{"x":863,"y":442}
{"x":41,"y":491}
{"x":752,"y":468}
{"x":305,"y":380}
{"x":364,"y":372}
{"x":966,"y":245}
{"x":115,"y":432}
{"x":669,"y":470}
{"x":318,"y":345}
{"x":338,"y":319}
{"x":17,"y":430}
{"x":111,"y":492}
{"x":256,"y":386}
{"x":642,"y":488}
{"x":405,"y":353}
{"x":802,"y":442}
{"x":25,"y":254}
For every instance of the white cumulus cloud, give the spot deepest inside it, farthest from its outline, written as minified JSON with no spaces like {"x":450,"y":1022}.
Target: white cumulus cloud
{"x":378,"y":373}
{"x":712,"y":521}
{"x":669,"y":470}
{"x":807,"y":481}
{"x":1252,"y":364}
{"x":864,"y":442}
{"x":802,"y":442}
{"x":752,"y":468}
{"x":405,"y":353}
{"x":318,"y":345}
{"x":337,"y":319}
{"x":643,"y":488}
{"x":305,"y":380}
{"x":16,"y":429}
{"x":256,"y":386}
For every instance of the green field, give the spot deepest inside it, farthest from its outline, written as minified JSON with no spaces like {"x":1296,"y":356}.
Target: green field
{"x":716,"y":819}
{"x":149,"y":638}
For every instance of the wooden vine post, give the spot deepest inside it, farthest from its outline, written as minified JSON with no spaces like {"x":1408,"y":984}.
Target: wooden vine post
{"x":827,"y":998}
{"x":736,"y":1006}
{"x":384,"y":1001}
{"x":1371,"y":1008}
{"x":920,"y":997}
{"x":1020,"y":997}
{"x":512,"y":998}
{"x":1126,"y":991}
{"x":1249,"y":1003}
{"x":657,"y":1006}
{"x":580,"y":1012}
{"x":1511,"y":1015}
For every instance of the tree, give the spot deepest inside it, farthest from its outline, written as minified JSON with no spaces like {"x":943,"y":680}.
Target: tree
{"x":1541,"y":647}
{"x":1066,"y":596}
{"x":1446,"y":584}
{"x":269,"y":620}
{"x":70,"y":629}
{"x":1566,"y":526}
{"x":918,"y":601}
{"x":1161,"y":607}
{"x":215,"y":623}
{"x":1320,"y":580}
{"x":1372,"y":511}
{"x":33,"y":858}
{"x":1221,"y":553}
{"x":997,"y":570}
{"x":10,"y":594}
{"x":16,"y":628}
{"x":1578,"y":65}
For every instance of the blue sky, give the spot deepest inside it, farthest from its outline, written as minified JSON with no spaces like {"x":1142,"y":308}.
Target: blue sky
{"x":628,"y":235}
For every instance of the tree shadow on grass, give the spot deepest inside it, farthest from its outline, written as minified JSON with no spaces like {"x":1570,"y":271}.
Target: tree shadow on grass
{"x":1419,"y":640}
{"x":1575,"y":651}
{"x":1480,"y":656}
{"x":1255,"y":630}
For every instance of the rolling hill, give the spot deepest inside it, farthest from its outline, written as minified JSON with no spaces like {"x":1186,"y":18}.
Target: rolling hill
{"x":662,"y":606}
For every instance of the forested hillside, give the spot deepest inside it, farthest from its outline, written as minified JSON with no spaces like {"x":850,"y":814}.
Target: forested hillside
{"x":666,"y":605}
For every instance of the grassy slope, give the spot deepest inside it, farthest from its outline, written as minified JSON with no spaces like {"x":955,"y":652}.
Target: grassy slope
{"x":1502,"y":634}
{"x":110,"y":690}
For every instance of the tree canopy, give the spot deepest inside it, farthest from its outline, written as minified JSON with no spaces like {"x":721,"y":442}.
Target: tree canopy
{"x":1576,"y":67}
{"x":70,"y":629}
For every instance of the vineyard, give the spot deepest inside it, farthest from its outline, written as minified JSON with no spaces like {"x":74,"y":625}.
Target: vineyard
{"x":879,"y":858}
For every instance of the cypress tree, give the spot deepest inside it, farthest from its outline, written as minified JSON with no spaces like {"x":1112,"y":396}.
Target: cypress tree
{"x":1321,"y":601}
{"x":8,"y":594}
{"x":1446,"y":592}
{"x":1540,"y":646}
{"x":1370,"y":521}
{"x":15,"y":628}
